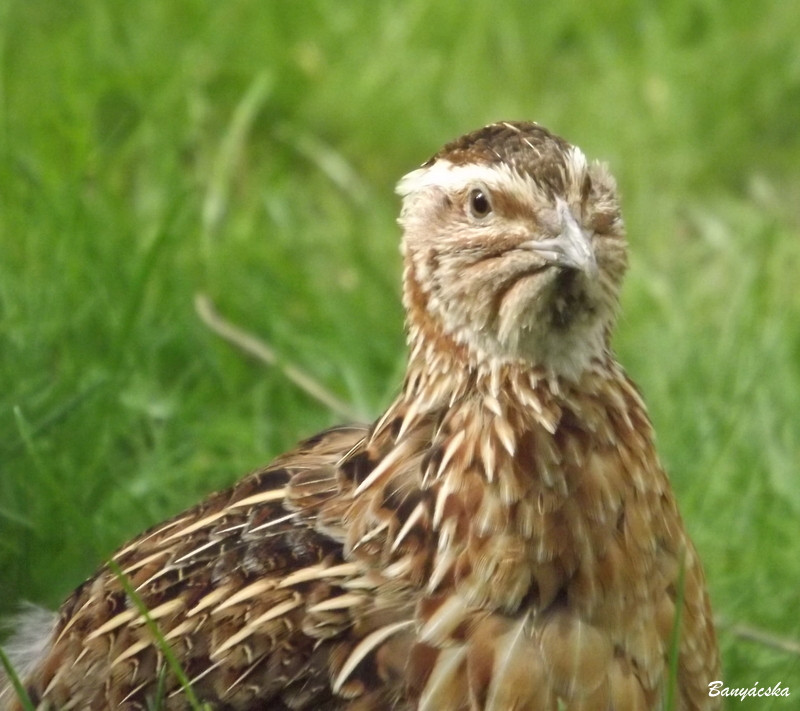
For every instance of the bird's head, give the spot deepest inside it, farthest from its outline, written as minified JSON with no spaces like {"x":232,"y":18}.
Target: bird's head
{"x":514,"y":249}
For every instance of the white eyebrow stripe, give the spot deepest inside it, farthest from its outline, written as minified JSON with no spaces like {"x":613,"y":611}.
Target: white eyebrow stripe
{"x":450,"y":177}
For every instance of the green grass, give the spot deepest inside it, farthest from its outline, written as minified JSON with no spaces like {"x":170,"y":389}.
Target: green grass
{"x":151,"y":150}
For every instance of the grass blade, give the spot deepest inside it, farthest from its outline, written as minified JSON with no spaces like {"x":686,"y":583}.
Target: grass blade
{"x":172,"y":661}
{"x":22,"y":695}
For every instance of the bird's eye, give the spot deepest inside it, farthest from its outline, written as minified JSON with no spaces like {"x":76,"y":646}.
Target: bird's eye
{"x":479,"y":205}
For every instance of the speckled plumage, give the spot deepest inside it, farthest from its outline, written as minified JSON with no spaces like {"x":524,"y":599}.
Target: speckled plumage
{"x":502,"y":538}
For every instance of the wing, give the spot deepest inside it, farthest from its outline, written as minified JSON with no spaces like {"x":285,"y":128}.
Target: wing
{"x":256,"y":604}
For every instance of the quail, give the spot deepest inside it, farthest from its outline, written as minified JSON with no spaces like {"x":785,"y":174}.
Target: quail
{"x":502,"y":538}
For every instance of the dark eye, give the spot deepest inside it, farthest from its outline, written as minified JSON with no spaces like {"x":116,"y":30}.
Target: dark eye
{"x":479,"y":204}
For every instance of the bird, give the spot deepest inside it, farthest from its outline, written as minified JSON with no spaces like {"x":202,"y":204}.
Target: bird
{"x":502,"y":538}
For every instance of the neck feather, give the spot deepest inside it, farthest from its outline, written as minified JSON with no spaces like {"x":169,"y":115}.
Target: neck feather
{"x":481,"y":461}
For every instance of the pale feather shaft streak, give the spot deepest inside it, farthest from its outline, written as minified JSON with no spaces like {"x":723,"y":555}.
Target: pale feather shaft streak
{"x":318,"y":572}
{"x":397,"y":455}
{"x":252,"y":626}
{"x":254,"y":590}
{"x":342,"y":602}
{"x":408,"y":525}
{"x":363,"y":648}
{"x":443,"y":689}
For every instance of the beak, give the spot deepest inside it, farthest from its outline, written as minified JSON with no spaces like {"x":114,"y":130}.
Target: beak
{"x":572,"y":248}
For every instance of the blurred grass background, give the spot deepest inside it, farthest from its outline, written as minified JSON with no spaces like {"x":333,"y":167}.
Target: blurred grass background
{"x":151,"y":150}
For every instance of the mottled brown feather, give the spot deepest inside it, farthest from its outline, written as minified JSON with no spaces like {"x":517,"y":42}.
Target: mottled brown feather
{"x":502,"y":538}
